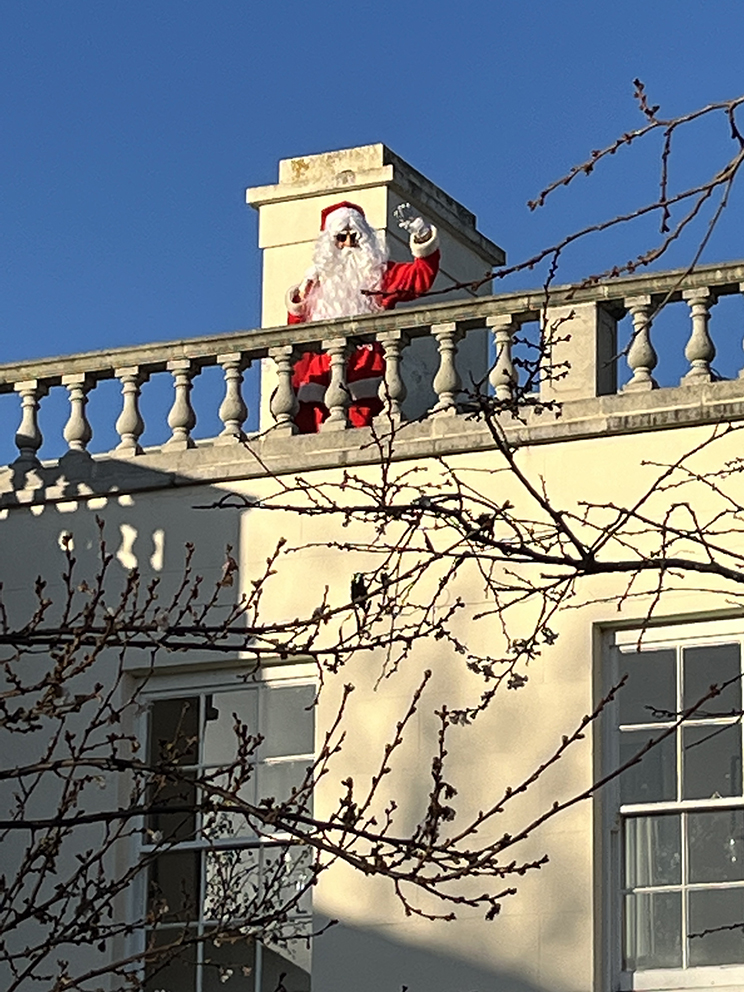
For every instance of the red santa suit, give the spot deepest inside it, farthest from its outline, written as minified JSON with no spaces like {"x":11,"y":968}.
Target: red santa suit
{"x":390,"y":283}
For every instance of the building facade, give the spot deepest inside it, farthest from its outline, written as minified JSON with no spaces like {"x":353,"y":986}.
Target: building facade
{"x":589,"y":479}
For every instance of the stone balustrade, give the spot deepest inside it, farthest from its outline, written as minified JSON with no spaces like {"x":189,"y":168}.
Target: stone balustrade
{"x":585,"y":348}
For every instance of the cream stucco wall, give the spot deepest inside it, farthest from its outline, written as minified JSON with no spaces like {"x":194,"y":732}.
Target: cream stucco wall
{"x":546,"y":937}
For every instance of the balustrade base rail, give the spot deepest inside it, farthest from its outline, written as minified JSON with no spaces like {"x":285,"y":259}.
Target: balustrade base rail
{"x":78,"y":476}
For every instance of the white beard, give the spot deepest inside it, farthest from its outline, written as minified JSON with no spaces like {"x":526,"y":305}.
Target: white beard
{"x":342,"y":274}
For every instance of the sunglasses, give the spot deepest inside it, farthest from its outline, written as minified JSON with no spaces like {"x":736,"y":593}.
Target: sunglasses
{"x":347,"y":237}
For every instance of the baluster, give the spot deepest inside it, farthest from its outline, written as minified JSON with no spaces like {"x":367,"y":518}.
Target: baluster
{"x":283,"y":403}
{"x":642,"y":357}
{"x":700,"y":350}
{"x":232,"y":412}
{"x":503,"y":376}
{"x":447,"y":382}
{"x":181,"y":419}
{"x":393,"y":390}
{"x":130,"y":425}
{"x":28,"y":438}
{"x":337,"y":395}
{"x":77,"y":431}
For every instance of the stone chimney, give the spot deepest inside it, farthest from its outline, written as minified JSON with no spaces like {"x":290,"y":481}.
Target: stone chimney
{"x":378,"y":180}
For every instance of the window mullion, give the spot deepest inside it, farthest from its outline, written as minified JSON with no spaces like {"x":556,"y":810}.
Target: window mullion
{"x":680,"y":796}
{"x":258,"y":946}
{"x":198,"y":984}
{"x":258,"y":951}
{"x":201,"y":929}
{"x":678,"y":732}
{"x":202,"y":857}
{"x":199,"y":796}
{"x":685,"y":881}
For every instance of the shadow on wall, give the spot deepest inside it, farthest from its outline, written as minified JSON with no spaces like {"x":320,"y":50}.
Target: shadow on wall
{"x":76,"y":474}
{"x":347,"y":958}
{"x":148,"y":517}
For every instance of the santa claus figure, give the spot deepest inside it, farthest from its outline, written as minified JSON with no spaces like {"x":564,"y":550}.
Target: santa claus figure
{"x":351,"y":274}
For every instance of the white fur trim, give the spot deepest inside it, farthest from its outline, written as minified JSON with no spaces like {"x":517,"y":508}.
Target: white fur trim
{"x":342,"y":219}
{"x":420,"y":249}
{"x":296,"y":309}
{"x":362,"y":389}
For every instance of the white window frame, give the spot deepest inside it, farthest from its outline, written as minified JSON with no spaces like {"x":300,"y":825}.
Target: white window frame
{"x":682,"y":635}
{"x":202,"y":684}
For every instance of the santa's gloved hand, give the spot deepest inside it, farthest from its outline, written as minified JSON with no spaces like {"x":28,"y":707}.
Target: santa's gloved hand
{"x":308,"y":281}
{"x":410,"y":221}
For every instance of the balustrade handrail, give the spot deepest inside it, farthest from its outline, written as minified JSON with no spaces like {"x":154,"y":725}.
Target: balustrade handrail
{"x":523,"y":306}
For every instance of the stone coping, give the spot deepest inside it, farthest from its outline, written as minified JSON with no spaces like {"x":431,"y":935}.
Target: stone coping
{"x":416,"y":321}
{"x":343,"y":171}
{"x":80,"y":476}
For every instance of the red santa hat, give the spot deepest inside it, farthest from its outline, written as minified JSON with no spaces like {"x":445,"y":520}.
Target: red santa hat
{"x":343,"y":219}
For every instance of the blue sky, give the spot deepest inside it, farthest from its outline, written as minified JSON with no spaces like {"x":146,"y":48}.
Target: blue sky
{"x":130,"y":130}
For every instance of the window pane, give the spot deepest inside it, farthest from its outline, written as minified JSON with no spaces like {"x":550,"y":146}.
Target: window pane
{"x":705,"y":666}
{"x":716,"y":910}
{"x":220,"y":741}
{"x":222,"y":823}
{"x":716,"y":844}
{"x":240,"y":883}
{"x":173,"y":970}
{"x":233,"y":884}
{"x":653,"y":850}
{"x":280,"y":779}
{"x":181,"y":823}
{"x":650,"y":691}
{"x":653,"y":779}
{"x":229,"y":966}
{"x":174,"y":730}
{"x":653,"y":924}
{"x":288,"y":872}
{"x":712,"y":761}
{"x":174,"y":885}
{"x":288,"y":720}
{"x":173,"y":739}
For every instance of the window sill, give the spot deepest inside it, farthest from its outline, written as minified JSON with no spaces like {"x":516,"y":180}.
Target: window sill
{"x":723,"y":976}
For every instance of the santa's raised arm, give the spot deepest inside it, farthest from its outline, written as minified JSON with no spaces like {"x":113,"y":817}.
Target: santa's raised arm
{"x":351,"y":274}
